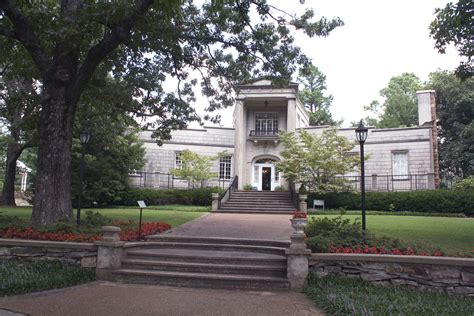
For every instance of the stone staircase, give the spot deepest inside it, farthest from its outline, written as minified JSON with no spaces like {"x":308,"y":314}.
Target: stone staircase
{"x":270,"y":202}
{"x":204,"y":262}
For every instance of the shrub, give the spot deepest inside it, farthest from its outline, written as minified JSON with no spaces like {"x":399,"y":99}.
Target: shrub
{"x":465,"y":184}
{"x":202,"y":196}
{"x":279,"y":188}
{"x":431,"y":201}
{"x":248,"y":187}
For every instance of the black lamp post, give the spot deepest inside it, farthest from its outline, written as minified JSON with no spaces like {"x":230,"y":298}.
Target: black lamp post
{"x":361,"y":135}
{"x":84,"y":137}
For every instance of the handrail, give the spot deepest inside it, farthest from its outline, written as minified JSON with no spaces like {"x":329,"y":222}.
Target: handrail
{"x":265,"y":133}
{"x":293,"y":194}
{"x":232,"y":187}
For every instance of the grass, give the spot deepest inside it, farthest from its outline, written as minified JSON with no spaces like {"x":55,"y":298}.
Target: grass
{"x":345,"y":296}
{"x":174,"y":215}
{"x":20,"y":277}
{"x":453,"y":235}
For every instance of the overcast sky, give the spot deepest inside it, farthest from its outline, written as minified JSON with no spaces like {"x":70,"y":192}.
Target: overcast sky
{"x":380,"y":39}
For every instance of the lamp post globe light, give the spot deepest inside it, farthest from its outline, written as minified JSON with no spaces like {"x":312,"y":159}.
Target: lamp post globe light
{"x":361,"y":135}
{"x":84,"y":137}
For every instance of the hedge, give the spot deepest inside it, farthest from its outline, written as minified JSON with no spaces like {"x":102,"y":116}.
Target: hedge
{"x":432,"y":201}
{"x":168,"y":196}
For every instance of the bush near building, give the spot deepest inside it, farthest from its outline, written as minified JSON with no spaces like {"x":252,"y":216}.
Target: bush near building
{"x":430,"y":201}
{"x":201,"y":196}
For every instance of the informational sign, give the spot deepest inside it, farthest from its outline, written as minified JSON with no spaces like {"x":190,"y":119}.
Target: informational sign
{"x":141,"y":204}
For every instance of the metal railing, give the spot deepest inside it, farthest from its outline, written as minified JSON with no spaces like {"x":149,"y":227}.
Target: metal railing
{"x":293,"y":195}
{"x":389,"y":183}
{"x":162,"y":180}
{"x":228,"y":192}
{"x":270,"y":133}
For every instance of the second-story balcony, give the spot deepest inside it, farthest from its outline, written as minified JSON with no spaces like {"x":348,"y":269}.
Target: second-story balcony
{"x":264,"y":135}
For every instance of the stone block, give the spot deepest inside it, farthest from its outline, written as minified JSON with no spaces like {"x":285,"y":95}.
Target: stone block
{"x":463,"y":290}
{"x":89,"y":262}
{"x":297,"y":271}
{"x":379,"y":276}
{"x":373,"y":266}
{"x":5,"y":251}
{"x":332,"y":269}
{"x":415,"y":270}
{"x":445,"y":273}
{"x":467,"y":277}
{"x":404,"y":282}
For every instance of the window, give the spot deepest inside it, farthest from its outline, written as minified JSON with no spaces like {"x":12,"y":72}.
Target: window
{"x":177,"y":160}
{"x":266,"y":124}
{"x":400,"y":165}
{"x":225,"y":164}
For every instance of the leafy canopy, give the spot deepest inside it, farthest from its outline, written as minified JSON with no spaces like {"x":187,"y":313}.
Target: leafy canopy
{"x":194,"y":168}
{"x":317,"y":161}
{"x":455,"y":112}
{"x":400,"y":105}
{"x":454,"y":24}
{"x":314,"y":97}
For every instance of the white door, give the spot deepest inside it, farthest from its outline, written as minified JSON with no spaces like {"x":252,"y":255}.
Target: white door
{"x":260,"y":174}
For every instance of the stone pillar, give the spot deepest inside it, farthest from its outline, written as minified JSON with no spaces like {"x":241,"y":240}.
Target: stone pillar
{"x":303,"y":204}
{"x":240,"y":141}
{"x":215,"y":201}
{"x":109,"y":251}
{"x":291,"y":115}
{"x":297,"y":262}
{"x":374,"y":182}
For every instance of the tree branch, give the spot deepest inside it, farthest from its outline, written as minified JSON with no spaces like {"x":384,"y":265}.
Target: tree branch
{"x":7,"y":32}
{"x":24,"y":33}
{"x":111,"y":40}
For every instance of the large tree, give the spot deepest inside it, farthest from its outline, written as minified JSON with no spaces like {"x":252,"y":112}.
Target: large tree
{"x":317,"y":161}
{"x":455,"y":111}
{"x":454,"y":24}
{"x":144,"y":42}
{"x":313,"y":95}
{"x":399,"y":107}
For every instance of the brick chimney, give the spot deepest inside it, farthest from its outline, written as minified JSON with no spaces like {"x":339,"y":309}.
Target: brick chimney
{"x":427,"y":117}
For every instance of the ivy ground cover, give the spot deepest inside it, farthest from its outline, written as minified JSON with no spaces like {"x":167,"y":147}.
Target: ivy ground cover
{"x":453,"y":235}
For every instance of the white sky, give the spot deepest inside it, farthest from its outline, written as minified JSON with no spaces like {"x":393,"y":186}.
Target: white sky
{"x":380,"y":39}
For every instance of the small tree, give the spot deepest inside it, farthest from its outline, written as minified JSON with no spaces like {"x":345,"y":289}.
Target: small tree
{"x":194,"y":168}
{"x":317,"y":161}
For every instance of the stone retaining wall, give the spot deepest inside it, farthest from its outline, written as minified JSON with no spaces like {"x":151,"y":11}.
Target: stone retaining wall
{"x":452,"y":275}
{"x":84,"y":254}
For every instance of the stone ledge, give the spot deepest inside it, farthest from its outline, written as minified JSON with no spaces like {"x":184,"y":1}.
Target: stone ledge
{"x":448,"y":261}
{"x":47,"y":244}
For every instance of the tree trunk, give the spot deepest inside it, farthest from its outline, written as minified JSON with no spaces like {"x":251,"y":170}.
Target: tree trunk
{"x":52,"y":200}
{"x":8,"y":192}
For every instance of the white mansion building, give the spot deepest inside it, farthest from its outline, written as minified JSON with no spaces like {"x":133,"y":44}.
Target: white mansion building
{"x":400,"y":158}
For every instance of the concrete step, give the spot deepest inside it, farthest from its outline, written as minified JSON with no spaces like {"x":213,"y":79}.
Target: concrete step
{"x":220,"y":240}
{"x":259,"y":270}
{"x":248,"y":204}
{"x":206,"y":280}
{"x":254,"y":211}
{"x":205,"y":246}
{"x":207,"y":256}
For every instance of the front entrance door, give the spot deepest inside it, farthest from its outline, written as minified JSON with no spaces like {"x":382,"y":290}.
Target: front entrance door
{"x":266,"y":178}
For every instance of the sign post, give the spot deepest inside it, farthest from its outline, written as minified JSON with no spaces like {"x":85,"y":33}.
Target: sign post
{"x":142,"y":205}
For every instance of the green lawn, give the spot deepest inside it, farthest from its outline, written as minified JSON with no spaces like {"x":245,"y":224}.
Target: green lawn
{"x":453,"y":235}
{"x":174,"y":215}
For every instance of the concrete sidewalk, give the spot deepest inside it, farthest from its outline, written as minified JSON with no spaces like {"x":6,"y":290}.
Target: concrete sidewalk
{"x":252,"y":226}
{"x":103,"y":298}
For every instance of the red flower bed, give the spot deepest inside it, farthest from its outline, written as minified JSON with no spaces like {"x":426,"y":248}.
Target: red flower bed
{"x":365,"y":249}
{"x":148,"y":228}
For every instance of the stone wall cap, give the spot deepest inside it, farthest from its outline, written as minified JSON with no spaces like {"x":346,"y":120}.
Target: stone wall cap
{"x":113,"y":244}
{"x":450,"y":261}
{"x":111,"y":229}
{"x":305,"y":252}
{"x":46,"y":244}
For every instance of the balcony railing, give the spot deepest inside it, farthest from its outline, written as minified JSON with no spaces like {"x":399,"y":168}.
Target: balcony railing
{"x":263,"y":134}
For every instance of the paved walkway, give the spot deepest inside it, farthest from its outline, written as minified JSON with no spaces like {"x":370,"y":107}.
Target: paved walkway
{"x":103,"y":298}
{"x":252,"y":226}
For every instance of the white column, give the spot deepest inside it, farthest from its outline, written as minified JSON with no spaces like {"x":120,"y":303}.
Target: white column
{"x":239,"y":141}
{"x":291,"y":116}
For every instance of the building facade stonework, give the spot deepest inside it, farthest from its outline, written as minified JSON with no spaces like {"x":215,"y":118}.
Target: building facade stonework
{"x":399,"y":158}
